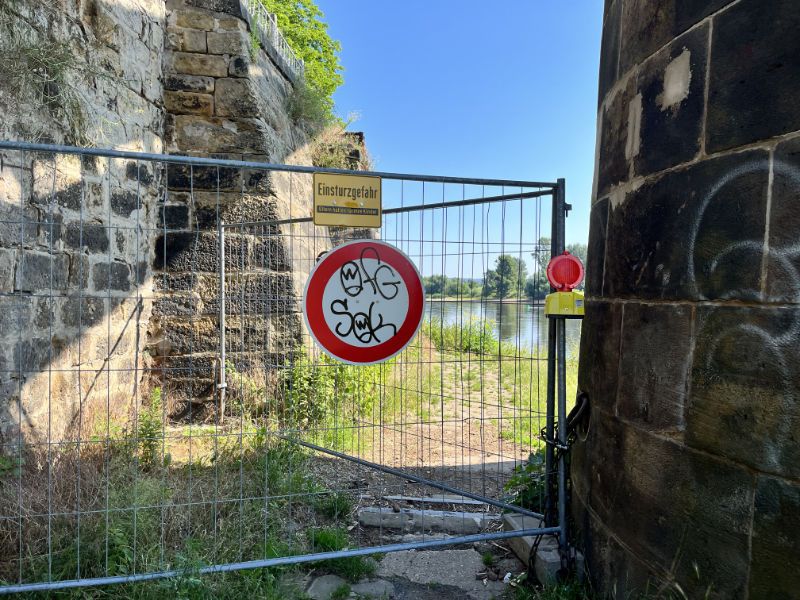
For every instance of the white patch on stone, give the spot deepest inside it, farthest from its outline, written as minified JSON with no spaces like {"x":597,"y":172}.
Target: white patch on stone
{"x":634,"y":140}
{"x":597,"y":140}
{"x":677,"y":77}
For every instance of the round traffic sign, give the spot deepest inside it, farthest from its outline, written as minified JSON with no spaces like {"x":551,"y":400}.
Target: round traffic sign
{"x":363,"y":302}
{"x":565,"y":272}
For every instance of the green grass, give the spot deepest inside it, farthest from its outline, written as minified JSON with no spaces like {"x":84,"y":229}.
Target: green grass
{"x":332,"y":539}
{"x":146,"y":483}
{"x":135,"y":518}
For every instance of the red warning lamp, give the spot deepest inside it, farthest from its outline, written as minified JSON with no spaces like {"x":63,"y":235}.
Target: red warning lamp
{"x":565,"y":272}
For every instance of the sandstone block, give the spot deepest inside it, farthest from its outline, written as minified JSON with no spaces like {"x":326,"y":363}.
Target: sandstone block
{"x":752,"y":97}
{"x":194,"y":19}
{"x":187,"y":40}
{"x":124,"y":202}
{"x":230,"y":24}
{"x":79,"y":271}
{"x":83,"y":312}
{"x":228,"y":42}
{"x":669,"y":484}
{"x":40,"y":271}
{"x":654,"y":365}
{"x":111,"y":277}
{"x":232,"y":207}
{"x":239,"y":66}
{"x":609,"y":59}
{"x":215,"y":136}
{"x":715,"y":246}
{"x":235,"y":98}
{"x":173,"y":217}
{"x":7,"y":262}
{"x":94,"y":238}
{"x":784,"y":264}
{"x":188,"y":83}
{"x":743,"y":402}
{"x":189,"y":103}
{"x":230,"y":7}
{"x":183,"y":177}
{"x":776,"y":539}
{"x":199,"y":64}
{"x":600,"y":353}
{"x":672,"y":88}
{"x":614,"y":146}
{"x":645,"y":30}
{"x":14,"y":314}
{"x":32,"y":355}
{"x":596,"y":252}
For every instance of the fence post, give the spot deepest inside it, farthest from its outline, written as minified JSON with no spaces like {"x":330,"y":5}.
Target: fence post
{"x":222,"y":386}
{"x":561,"y":357}
{"x":556,"y":248}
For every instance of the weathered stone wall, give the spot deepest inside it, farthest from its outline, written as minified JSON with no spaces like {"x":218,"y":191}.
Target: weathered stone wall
{"x":688,"y":471}
{"x":71,"y":325}
{"x":109,"y":268}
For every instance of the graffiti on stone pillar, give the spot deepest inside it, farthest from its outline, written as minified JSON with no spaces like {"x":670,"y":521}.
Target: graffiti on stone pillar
{"x":744,"y":369}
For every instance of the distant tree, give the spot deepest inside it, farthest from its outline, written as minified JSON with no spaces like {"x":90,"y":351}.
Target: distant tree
{"x":508,"y":276}
{"x":453,"y":287}
{"x":474,"y":288}
{"x":434,"y":284}
{"x":580,"y":251}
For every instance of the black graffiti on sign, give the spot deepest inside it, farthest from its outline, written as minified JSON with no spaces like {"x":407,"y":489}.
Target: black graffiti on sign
{"x":354,"y":276}
{"x":359,"y":281}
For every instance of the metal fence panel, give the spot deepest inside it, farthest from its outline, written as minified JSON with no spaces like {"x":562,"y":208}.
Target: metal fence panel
{"x":161,"y":403}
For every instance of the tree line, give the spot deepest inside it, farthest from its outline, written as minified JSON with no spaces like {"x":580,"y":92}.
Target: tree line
{"x":509,"y":277}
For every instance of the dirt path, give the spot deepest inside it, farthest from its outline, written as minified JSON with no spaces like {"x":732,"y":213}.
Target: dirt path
{"x":468,"y":422}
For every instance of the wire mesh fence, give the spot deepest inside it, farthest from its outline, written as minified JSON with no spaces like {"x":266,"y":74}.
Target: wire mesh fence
{"x":163,"y":406}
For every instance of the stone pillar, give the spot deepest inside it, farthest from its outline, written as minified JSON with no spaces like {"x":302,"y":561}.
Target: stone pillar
{"x":687,"y":473}
{"x":226,"y":98}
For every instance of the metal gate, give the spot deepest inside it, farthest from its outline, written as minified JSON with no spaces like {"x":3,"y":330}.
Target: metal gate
{"x":178,"y":411}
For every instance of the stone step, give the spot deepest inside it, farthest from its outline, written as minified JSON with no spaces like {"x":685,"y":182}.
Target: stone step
{"x":548,"y":560}
{"x":460,"y":523}
{"x":444,"y":499}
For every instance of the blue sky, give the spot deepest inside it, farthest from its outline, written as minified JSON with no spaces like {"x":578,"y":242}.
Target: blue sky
{"x":499,"y":90}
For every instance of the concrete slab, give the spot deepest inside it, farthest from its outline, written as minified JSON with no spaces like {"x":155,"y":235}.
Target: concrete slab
{"x":548,"y":560}
{"x":322,"y":587}
{"x":462,"y":523}
{"x":454,"y":568}
{"x":445,"y":499}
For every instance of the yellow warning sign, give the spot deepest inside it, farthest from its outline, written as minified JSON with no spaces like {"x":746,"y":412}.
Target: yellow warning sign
{"x":347,"y":200}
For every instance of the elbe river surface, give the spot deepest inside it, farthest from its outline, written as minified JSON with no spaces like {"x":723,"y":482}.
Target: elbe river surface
{"x":513,"y":322}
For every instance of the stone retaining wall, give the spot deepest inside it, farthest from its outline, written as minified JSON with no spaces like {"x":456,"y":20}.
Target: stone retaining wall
{"x":108,"y":268}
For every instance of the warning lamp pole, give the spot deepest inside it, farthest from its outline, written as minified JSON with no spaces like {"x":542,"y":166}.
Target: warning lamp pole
{"x":565,"y":272}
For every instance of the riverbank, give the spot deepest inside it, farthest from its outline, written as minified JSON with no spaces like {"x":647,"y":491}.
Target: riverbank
{"x":479,"y":300}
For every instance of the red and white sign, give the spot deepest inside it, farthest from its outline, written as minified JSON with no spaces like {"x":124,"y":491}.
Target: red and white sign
{"x":363,"y":302}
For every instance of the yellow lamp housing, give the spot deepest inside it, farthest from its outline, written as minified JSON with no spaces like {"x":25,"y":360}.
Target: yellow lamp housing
{"x":564,"y":304}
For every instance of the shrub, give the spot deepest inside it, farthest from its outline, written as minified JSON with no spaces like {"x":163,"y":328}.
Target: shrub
{"x":527,"y":484}
{"x":150,"y":430}
{"x":301,"y":23}
{"x":475,"y":335}
{"x":336,"y":148}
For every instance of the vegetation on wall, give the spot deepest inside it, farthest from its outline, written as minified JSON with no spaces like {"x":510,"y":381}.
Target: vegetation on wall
{"x":336,"y":148}
{"x":301,"y":22}
{"x":39,"y":72}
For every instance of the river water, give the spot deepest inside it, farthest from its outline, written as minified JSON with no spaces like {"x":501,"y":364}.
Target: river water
{"x":517,"y":323}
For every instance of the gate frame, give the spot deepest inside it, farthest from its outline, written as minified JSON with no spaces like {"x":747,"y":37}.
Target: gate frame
{"x":556,"y":358}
